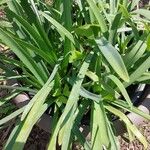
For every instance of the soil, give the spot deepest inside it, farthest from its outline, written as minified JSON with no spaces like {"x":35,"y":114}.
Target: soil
{"x":136,"y":145}
{"x":38,"y":139}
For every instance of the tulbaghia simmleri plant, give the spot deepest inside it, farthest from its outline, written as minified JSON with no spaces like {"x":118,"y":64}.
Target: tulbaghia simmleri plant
{"x":76,"y":58}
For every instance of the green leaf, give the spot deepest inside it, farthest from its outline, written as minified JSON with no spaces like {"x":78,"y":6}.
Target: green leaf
{"x":132,"y":127}
{"x":67,"y":20}
{"x":2,"y":78}
{"x":86,"y":94}
{"x":81,"y":138}
{"x":17,"y":88}
{"x":34,"y":110}
{"x":42,"y":94}
{"x":75,"y":55}
{"x":139,"y":71}
{"x":72,"y":101}
{"x":144,"y":77}
{"x":143,"y":12}
{"x":26,"y":59}
{"x":59,"y":27}
{"x":67,"y":116}
{"x":8,"y":97}
{"x":12,"y":136}
{"x":122,"y":104}
{"x":114,"y":27}
{"x":27,"y":125}
{"x":98,"y":15}
{"x":12,"y":115}
{"x":148,"y":42}
{"x":87,"y":30}
{"x":121,"y":88}
{"x":100,"y":137}
{"x":44,"y":54}
{"x":128,"y":19}
{"x":113,"y":57}
{"x":3,"y":2}
{"x":115,"y":145}
{"x":134,"y":3}
{"x":38,"y":23}
{"x":5,"y":24}
{"x":136,"y":53}
{"x":33,"y":33}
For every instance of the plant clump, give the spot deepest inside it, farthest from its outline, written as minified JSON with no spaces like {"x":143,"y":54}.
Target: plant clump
{"x":75,"y":59}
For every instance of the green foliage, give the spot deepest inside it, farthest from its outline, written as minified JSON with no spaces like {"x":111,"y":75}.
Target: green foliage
{"x":76,"y":57}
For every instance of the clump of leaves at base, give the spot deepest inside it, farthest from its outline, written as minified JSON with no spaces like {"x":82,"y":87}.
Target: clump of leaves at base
{"x":75,"y":57}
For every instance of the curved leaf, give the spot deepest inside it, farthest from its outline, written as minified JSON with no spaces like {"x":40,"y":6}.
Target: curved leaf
{"x":59,"y":27}
{"x":130,"y":126}
{"x":121,"y":88}
{"x":143,"y":12}
{"x":113,"y":57}
{"x":98,"y":15}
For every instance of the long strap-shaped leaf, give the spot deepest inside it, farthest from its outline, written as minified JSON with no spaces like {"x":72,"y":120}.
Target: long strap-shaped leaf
{"x":27,"y":60}
{"x":81,"y":138}
{"x":27,"y":125}
{"x":134,"y":3}
{"x":98,"y":15}
{"x":45,"y":55}
{"x":100,"y":136}
{"x":3,"y":2}
{"x":34,"y":34}
{"x":113,"y":57}
{"x":122,"y":104}
{"x":121,"y":88}
{"x":62,"y":30}
{"x":132,"y":127}
{"x":70,"y":106}
{"x":67,"y":18}
{"x":34,"y":111}
{"x":59,"y":27}
{"x":86,"y":94}
{"x":113,"y":138}
{"x":12,"y":115}
{"x":136,"y":53}
{"x":143,"y":12}
{"x":38,"y":22}
{"x":139,"y":72}
{"x":38,"y":96}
